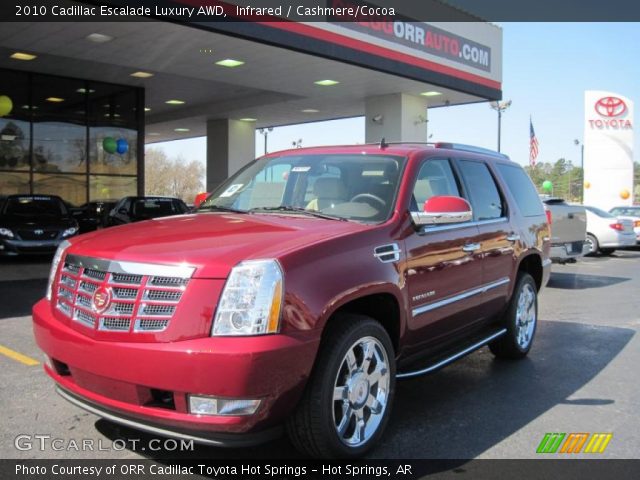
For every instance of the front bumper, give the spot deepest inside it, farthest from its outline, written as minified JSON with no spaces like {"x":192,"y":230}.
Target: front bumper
{"x":119,"y":380}
{"x":11,"y":247}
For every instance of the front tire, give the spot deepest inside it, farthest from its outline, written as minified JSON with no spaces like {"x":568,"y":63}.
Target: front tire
{"x":520,"y":320}
{"x":348,"y":399}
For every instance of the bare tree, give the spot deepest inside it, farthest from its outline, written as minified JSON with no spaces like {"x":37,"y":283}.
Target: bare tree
{"x":175,"y":177}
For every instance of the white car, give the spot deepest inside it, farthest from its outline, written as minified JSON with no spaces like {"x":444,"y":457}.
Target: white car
{"x":606,"y":233}
{"x":631,"y":213}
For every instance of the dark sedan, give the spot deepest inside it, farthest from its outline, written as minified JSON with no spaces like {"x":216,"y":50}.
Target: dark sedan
{"x":93,"y":215}
{"x":136,"y":209}
{"x":34,"y":224}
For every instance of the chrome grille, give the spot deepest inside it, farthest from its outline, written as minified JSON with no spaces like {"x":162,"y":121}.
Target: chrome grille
{"x":140,"y":300}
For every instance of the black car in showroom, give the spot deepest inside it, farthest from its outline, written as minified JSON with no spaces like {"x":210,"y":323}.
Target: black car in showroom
{"x":34,"y":224}
{"x":136,"y":209}
{"x":93,"y":215}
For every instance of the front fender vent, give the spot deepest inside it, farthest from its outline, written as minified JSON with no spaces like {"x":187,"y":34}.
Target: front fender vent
{"x":387,"y":253}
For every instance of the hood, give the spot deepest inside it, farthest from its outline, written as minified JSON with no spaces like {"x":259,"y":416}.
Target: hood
{"x":212,"y":242}
{"x":28,"y":222}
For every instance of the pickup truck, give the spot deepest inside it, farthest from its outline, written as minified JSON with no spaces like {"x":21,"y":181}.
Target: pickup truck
{"x":297,"y":294}
{"x":568,"y":229}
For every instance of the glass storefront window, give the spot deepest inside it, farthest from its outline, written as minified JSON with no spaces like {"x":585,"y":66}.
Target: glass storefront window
{"x":72,"y":188}
{"x":13,"y":183}
{"x":14,"y":121}
{"x":74,"y":138}
{"x":104,"y":187}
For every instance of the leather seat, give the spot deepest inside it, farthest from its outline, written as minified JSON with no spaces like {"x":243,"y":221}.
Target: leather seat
{"x":329,"y":192}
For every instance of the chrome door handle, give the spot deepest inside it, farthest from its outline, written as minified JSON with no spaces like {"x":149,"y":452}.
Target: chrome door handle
{"x":471,"y":247}
{"x":513,"y":237}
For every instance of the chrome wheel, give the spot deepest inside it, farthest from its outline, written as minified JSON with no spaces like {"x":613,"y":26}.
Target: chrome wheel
{"x":526,"y":316}
{"x":361,"y":391}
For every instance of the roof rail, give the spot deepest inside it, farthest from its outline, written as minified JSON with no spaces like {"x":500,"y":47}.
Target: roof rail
{"x":471,"y":148}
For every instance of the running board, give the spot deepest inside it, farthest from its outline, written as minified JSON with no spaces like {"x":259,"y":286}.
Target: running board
{"x":452,"y":358}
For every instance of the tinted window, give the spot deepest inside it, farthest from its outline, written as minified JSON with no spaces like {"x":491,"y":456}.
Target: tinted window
{"x":435,"y":178}
{"x":522,"y":190}
{"x":484,"y":196}
{"x":626,"y":211}
{"x":154,"y":208}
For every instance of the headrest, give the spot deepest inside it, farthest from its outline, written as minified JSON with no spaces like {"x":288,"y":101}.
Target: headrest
{"x":326,"y":187}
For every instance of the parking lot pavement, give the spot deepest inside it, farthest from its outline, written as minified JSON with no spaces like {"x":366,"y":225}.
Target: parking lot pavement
{"x":581,"y":376}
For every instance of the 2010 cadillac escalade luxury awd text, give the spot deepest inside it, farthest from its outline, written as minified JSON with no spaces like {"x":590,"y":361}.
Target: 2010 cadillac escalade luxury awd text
{"x":298,"y":293}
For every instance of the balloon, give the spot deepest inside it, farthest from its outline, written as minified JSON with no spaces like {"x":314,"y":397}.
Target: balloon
{"x":624,"y":194}
{"x":122,"y":146}
{"x":109,"y":144}
{"x":587,"y":185}
{"x":547,"y":185}
{"x":6,"y":105}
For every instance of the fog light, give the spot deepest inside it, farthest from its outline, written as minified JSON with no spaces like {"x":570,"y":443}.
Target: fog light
{"x":200,"y":405}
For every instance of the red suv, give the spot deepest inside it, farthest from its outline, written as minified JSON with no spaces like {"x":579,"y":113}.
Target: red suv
{"x":298,"y":293}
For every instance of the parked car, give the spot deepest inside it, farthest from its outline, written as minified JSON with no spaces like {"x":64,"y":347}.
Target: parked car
{"x":629,"y":213}
{"x":93,"y":215}
{"x":568,"y":229}
{"x":299,"y":292}
{"x":606,"y":233}
{"x":34,"y":224}
{"x":136,"y":209}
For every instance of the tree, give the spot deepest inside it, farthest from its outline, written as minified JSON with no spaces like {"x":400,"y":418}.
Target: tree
{"x":174,"y":177}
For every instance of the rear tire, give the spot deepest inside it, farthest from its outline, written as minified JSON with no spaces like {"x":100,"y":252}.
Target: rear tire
{"x":593,"y":244}
{"x":520,"y":320}
{"x":348,"y":399}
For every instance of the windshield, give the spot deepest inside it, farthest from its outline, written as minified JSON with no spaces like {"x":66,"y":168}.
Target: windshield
{"x":600,"y":213}
{"x":34,"y":206}
{"x":341,"y":186}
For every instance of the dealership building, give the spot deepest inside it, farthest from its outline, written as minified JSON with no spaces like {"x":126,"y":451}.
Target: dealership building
{"x":79,"y":100}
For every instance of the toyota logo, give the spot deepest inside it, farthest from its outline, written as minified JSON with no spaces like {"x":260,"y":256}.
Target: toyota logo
{"x":101,"y":300}
{"x":610,"y":107}
{"x":38,"y":232}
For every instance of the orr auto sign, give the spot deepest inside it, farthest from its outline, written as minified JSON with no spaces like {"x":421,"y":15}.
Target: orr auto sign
{"x":611,"y":113}
{"x":418,"y":36}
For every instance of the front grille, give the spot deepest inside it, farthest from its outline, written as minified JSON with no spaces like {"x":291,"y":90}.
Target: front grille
{"x":134,"y":303}
{"x":41,"y":235}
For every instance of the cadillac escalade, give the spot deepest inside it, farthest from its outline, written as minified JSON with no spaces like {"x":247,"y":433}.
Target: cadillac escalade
{"x":298,"y":293}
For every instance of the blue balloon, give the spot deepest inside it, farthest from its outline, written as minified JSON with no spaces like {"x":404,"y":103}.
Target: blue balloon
{"x":122,"y":146}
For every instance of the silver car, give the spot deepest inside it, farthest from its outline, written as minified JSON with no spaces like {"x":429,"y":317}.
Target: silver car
{"x":606,"y":233}
{"x":631,"y":213}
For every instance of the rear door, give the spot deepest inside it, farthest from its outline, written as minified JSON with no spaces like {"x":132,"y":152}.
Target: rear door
{"x":496,"y":234}
{"x":442,"y":270}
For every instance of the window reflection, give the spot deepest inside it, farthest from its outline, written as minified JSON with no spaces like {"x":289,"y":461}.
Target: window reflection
{"x":70,"y":120}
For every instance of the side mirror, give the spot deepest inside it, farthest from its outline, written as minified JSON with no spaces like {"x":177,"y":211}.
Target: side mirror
{"x":443,"y":209}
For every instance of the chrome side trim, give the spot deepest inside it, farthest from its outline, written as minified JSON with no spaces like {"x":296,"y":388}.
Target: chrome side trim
{"x":438,"y":218}
{"x":132,"y":268}
{"x":440,"y":228}
{"x":470,"y":293}
{"x":453,"y":357}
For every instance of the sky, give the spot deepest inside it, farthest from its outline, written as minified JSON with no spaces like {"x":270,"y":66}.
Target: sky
{"x":546,"y":69}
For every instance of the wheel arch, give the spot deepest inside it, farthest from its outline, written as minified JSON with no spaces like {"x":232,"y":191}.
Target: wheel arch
{"x":532,"y":264}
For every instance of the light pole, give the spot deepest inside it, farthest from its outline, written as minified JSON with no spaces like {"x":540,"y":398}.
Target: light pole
{"x":500,"y":107}
{"x":297,"y":143}
{"x":577,"y":142}
{"x":265,"y":132}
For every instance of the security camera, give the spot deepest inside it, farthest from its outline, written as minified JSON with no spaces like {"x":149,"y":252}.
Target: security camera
{"x":377,"y":119}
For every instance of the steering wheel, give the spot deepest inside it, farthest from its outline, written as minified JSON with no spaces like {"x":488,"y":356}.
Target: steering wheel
{"x":367,"y":197}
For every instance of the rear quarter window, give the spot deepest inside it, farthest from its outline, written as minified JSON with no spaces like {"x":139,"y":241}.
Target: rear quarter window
{"x":522,"y":189}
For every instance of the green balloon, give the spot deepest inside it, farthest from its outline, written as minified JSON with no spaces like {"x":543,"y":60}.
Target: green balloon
{"x":110,"y":145}
{"x":547,"y":185}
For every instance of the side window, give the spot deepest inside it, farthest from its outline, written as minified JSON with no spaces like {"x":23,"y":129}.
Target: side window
{"x":435,"y":178}
{"x":484,"y":195}
{"x":522,"y":189}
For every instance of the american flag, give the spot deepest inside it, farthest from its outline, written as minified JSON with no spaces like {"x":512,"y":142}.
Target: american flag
{"x":533,"y":145}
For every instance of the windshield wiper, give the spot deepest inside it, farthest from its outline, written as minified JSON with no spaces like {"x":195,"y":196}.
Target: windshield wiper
{"x":304,"y":211}
{"x":220,"y":208}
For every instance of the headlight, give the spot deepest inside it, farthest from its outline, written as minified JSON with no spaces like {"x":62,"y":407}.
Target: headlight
{"x":5,"y":232}
{"x":69,"y":231}
{"x":251,"y":300}
{"x":54,"y":266}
